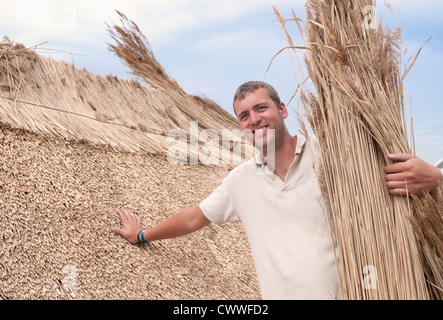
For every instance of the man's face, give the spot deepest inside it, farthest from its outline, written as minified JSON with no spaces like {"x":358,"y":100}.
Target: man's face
{"x":261,"y":121}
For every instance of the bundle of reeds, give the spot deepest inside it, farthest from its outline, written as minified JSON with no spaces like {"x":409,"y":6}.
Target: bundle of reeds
{"x":388,"y":247}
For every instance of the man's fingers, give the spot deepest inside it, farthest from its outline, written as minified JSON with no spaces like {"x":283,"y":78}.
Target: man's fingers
{"x":128,"y":216}
{"x":400,"y":157}
{"x":397,"y":188}
{"x":398,"y":192}
{"x":401,"y":188}
{"x":400,"y":164}
{"x":123,"y":215}
{"x":396,"y":176}
{"x":398,"y":167}
{"x":136,"y":218}
{"x":118,"y":231}
{"x":396,"y":184}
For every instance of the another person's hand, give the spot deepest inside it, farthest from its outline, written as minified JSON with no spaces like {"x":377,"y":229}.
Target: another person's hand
{"x":131,"y":226}
{"x":411,"y":175}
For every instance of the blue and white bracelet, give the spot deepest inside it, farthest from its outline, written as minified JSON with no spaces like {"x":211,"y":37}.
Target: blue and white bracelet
{"x":141,"y":237}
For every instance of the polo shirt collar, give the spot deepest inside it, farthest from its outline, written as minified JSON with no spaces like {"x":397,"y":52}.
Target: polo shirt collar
{"x":301,"y":141}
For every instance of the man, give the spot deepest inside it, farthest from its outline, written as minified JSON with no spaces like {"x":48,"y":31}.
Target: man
{"x":277,"y":199}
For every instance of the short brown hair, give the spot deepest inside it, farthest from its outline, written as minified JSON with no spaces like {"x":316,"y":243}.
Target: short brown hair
{"x":251,"y":86}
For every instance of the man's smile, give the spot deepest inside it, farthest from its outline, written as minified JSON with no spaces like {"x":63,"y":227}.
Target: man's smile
{"x":260,"y":130}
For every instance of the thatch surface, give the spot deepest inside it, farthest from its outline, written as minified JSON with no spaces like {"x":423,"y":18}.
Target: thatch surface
{"x":74,"y":148}
{"x":77,"y":104}
{"x":57,"y":204}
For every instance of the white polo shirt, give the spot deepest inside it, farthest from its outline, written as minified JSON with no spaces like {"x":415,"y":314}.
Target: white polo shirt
{"x":285,"y":224}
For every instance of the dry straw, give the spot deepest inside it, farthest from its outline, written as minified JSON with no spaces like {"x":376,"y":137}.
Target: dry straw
{"x":75,"y":146}
{"x":132,"y":47}
{"x":125,"y":114}
{"x":387,"y":247}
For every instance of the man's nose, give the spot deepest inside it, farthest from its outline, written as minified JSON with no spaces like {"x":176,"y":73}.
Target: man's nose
{"x":255,"y":118}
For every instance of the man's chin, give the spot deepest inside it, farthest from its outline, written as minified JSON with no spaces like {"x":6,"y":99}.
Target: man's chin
{"x":265,"y":148}
{"x":260,"y":140}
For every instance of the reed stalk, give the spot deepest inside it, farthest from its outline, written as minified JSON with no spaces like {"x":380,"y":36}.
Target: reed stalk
{"x":388,"y":247}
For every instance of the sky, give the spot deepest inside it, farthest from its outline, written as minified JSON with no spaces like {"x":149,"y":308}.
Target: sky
{"x":212,"y":47}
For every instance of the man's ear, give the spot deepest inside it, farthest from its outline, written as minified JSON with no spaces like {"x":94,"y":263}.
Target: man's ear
{"x":283,"y":110}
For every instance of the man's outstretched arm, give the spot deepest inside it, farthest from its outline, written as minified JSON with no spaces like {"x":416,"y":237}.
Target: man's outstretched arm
{"x":185,"y":222}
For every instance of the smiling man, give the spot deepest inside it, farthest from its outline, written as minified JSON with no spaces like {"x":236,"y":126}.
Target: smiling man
{"x":276,"y":197}
{"x":261,"y":117}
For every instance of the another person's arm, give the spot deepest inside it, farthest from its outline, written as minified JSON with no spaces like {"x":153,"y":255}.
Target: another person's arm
{"x":184,"y":222}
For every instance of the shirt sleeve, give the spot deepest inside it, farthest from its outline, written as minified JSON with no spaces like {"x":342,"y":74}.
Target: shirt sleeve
{"x":219,"y":206}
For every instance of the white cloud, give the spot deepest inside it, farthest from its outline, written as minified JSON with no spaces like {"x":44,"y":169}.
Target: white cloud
{"x":429,"y":144}
{"x":164,"y":22}
{"x":47,"y":20}
{"x":412,"y":5}
{"x":167,"y":21}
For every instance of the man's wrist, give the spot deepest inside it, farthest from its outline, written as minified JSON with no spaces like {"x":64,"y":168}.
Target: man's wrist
{"x":141,"y":237}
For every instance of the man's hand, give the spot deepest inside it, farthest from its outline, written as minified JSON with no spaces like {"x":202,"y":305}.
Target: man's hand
{"x":411,"y":175}
{"x":131,"y":226}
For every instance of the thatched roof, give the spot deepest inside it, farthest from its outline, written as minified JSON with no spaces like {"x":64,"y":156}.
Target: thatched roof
{"x":45,"y":95}
{"x":77,"y":146}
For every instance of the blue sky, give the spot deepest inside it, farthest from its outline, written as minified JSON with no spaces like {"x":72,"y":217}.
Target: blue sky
{"x":211,"y":47}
